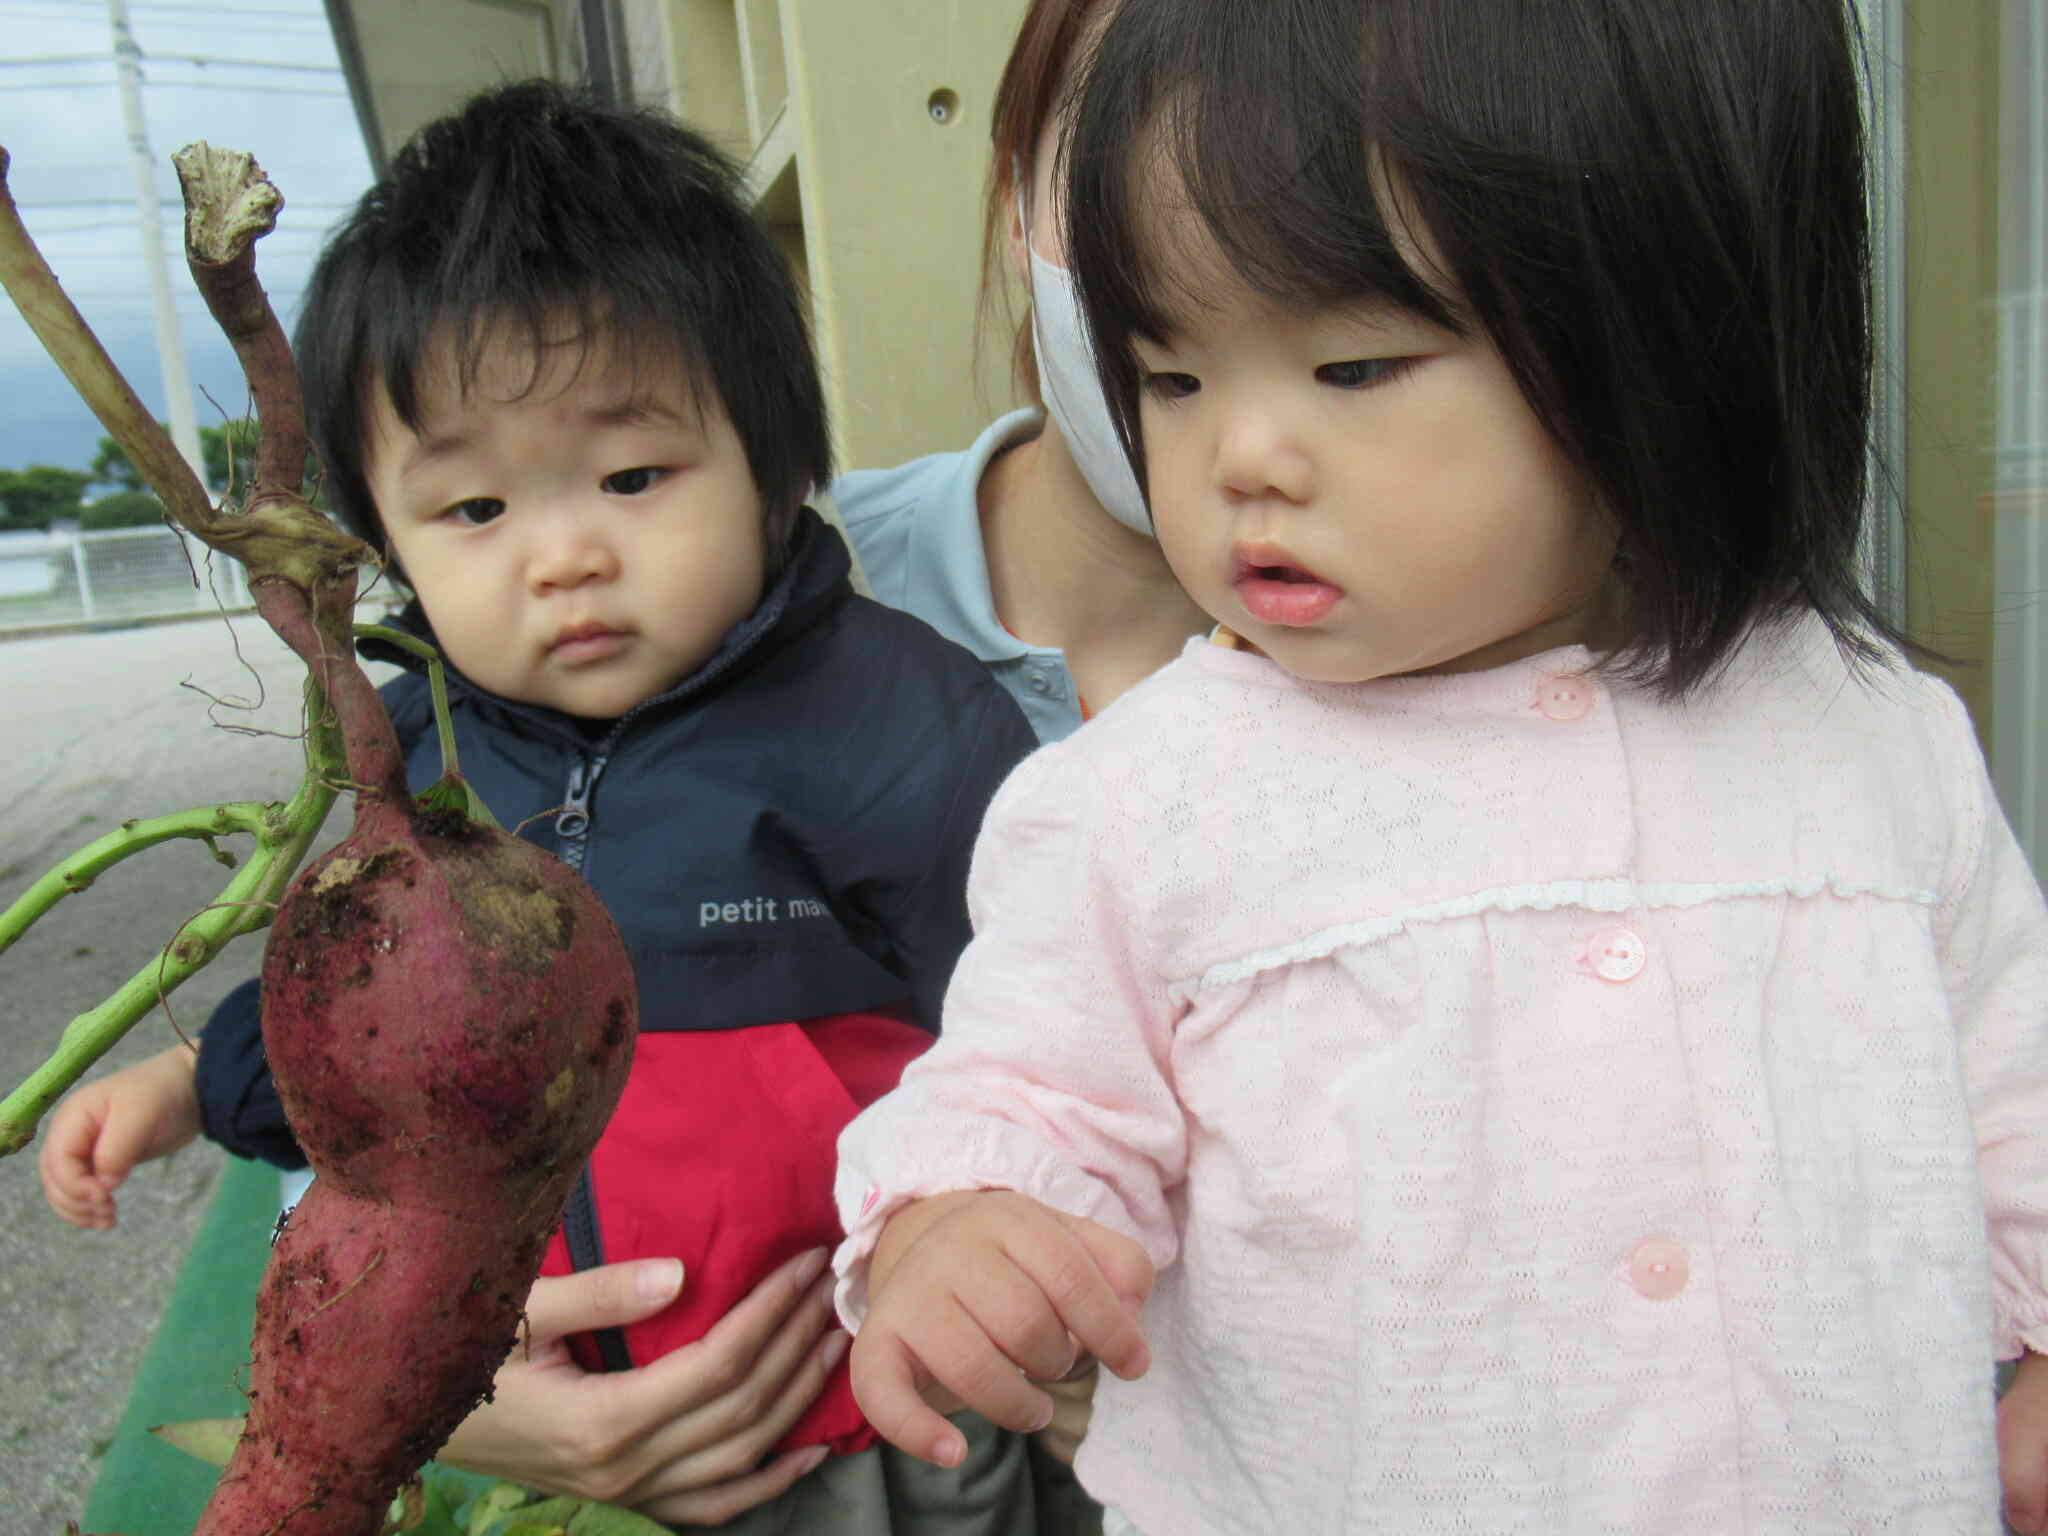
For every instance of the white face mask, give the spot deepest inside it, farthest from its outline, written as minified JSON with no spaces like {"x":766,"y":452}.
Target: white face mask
{"x":1073,"y":394}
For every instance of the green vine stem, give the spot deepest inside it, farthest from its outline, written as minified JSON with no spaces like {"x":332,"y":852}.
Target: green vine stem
{"x":451,"y":792}
{"x":302,"y":575}
{"x":283,"y":831}
{"x":283,"y":834}
{"x":96,"y":858}
{"x":437,"y":684}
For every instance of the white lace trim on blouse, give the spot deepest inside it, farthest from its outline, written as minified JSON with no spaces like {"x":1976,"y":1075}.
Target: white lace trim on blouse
{"x":1618,"y":895}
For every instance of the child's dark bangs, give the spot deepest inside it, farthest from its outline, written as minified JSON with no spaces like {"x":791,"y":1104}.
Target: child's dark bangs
{"x":1251,"y":114}
{"x":1281,"y":172}
{"x":642,"y":336}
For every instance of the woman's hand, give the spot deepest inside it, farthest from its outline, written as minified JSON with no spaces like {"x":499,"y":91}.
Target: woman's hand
{"x":679,"y":1440}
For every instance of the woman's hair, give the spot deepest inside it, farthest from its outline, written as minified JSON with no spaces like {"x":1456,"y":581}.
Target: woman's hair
{"x":1031,"y":93}
{"x":537,"y":212}
{"x":1654,"y":210}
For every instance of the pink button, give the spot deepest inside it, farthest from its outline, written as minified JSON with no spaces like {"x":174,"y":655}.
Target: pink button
{"x":1658,"y":1268}
{"x":1564,"y":698}
{"x":1616,"y":954}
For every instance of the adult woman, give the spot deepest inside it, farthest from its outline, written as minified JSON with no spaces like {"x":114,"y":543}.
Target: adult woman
{"x":1033,"y":549}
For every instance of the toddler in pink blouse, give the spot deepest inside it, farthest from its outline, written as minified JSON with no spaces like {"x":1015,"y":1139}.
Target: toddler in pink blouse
{"x":1537,"y":1023}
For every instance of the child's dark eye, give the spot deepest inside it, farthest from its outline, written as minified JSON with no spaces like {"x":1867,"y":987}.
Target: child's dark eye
{"x":1363,"y":372}
{"x":477,"y":511}
{"x":1171,"y":386}
{"x":631,"y":482}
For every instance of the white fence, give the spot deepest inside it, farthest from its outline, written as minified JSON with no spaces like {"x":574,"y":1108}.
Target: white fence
{"x":112,"y":575}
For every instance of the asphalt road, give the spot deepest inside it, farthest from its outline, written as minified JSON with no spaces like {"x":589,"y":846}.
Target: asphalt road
{"x":98,"y":728}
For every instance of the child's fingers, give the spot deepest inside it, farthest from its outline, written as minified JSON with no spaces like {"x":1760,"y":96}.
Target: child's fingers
{"x":1123,"y":1262}
{"x":123,"y":1143}
{"x":956,"y":1352}
{"x":87,"y":1206}
{"x":71,"y":1183}
{"x":93,"y":1211}
{"x":886,"y":1387}
{"x":1093,"y":1307}
{"x":1013,"y":1312}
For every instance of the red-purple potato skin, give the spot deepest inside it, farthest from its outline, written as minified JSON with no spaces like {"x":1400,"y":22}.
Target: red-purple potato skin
{"x":449,"y":1014}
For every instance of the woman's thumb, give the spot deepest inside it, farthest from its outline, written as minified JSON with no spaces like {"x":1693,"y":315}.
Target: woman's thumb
{"x":610,"y":1296}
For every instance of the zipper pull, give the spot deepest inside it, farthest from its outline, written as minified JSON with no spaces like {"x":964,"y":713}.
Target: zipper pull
{"x":573,"y":820}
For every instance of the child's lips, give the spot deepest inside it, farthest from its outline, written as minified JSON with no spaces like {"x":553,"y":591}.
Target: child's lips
{"x":1276,"y":589}
{"x":586,"y":642}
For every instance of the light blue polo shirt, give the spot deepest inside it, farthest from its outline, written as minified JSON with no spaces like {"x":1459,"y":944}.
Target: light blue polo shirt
{"x":916,"y":534}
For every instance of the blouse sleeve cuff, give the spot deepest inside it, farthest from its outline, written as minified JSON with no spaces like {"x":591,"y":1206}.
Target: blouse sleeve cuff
{"x":992,"y":1156}
{"x":2021,"y":1326}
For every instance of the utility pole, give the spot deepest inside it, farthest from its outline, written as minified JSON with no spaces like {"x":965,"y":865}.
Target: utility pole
{"x":170,"y":346}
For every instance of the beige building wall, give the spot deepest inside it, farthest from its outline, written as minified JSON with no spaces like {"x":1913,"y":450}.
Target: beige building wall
{"x":865,"y":125}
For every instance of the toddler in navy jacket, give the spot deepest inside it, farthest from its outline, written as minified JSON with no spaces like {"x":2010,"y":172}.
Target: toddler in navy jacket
{"x":561,"y":377}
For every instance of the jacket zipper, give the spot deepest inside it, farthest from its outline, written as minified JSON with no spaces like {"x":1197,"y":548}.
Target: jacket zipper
{"x":586,"y":1251}
{"x":579,"y":1220}
{"x":572,"y":821}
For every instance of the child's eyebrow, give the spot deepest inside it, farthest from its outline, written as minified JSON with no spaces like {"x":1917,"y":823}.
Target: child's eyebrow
{"x":639,"y":412}
{"x":428,"y":446}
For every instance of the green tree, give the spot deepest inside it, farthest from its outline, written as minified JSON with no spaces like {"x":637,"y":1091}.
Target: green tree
{"x":228,"y":447}
{"x":36,"y":496}
{"x":122,"y":509}
{"x":110,"y":466}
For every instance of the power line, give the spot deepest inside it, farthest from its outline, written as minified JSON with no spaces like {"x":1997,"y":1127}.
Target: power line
{"x":203,"y":61}
{"x":33,"y":9}
{"x":98,"y":8}
{"x":172,"y":85}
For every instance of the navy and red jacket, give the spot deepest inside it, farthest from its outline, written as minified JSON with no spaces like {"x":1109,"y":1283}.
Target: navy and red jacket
{"x":783,"y":839}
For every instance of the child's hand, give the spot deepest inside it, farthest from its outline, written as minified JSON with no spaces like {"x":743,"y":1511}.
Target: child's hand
{"x":104,"y":1129}
{"x":2023,"y":1446}
{"x":978,"y":1291}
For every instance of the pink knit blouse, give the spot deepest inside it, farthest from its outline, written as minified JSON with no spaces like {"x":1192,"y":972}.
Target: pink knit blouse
{"x":1550,"y":1109}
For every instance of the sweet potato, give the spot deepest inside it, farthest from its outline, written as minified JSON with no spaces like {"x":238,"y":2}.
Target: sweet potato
{"x":449,"y":1013}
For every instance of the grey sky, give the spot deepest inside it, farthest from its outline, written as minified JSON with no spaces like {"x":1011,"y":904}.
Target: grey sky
{"x":61,"y":122}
